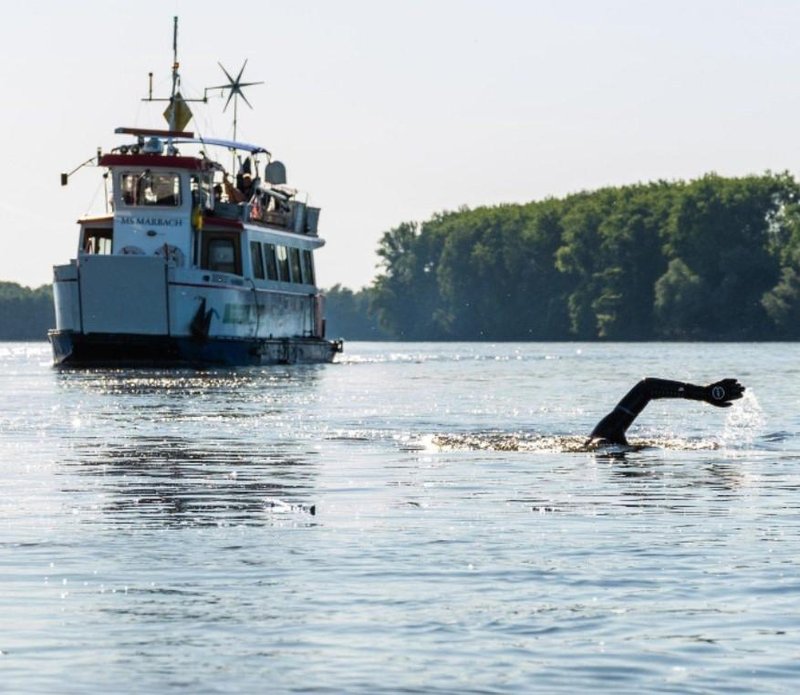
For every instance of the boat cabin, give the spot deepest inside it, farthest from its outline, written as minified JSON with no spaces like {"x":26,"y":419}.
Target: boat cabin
{"x":188,"y":210}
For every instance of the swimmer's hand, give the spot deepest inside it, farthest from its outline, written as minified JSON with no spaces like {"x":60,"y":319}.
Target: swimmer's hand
{"x":721,"y":393}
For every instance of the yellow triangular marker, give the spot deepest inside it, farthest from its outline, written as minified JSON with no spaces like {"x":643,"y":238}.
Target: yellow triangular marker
{"x":183,"y":114}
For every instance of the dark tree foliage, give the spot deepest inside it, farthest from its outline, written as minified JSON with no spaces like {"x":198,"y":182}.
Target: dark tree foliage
{"x":406,"y":296}
{"x":782,"y":302}
{"x":496,"y":273}
{"x":348,"y":315}
{"x":711,"y":259}
{"x":727,"y":233}
{"x":25,"y":314}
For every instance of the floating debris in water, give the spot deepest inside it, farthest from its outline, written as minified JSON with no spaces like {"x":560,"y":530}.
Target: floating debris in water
{"x":281,"y":507}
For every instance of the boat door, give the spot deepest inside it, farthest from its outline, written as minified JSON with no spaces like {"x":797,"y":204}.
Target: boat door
{"x":222,"y":252}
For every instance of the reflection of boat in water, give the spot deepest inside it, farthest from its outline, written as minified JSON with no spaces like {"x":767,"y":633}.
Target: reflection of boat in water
{"x":225,"y":457}
{"x":188,"y":266}
{"x":179,"y":481}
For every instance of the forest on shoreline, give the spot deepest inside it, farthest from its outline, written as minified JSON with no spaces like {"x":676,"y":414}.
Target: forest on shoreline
{"x":25,"y":313}
{"x":710,"y":259}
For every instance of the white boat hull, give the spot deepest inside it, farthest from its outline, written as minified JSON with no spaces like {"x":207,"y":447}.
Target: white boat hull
{"x":140,"y":310}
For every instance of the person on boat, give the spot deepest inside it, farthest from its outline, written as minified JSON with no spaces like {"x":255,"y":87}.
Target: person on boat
{"x":246,"y":186}
{"x":611,"y":429}
{"x":243,"y":191}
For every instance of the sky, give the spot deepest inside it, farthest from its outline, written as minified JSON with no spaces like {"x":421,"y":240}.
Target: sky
{"x":388,"y":111}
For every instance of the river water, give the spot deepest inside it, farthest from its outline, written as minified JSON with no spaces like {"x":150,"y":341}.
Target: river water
{"x":415,"y":518}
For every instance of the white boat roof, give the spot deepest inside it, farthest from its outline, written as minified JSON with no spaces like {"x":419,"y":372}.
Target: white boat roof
{"x":230,"y":144}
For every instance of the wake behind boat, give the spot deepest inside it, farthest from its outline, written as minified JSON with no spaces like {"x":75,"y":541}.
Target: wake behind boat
{"x":192,"y":265}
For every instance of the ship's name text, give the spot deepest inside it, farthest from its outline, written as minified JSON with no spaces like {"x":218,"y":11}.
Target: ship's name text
{"x":151,"y":221}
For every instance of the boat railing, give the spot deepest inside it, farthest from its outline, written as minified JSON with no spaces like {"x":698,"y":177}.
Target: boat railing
{"x":297,"y":217}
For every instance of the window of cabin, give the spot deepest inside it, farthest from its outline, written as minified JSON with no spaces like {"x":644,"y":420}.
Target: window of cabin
{"x":150,"y":189}
{"x":272,"y":265}
{"x":257,"y":260}
{"x":97,"y":241}
{"x":308,"y":267}
{"x":222,"y":256}
{"x":294,"y":259}
{"x":201,"y":190}
{"x":221,"y":253}
{"x":283,"y":263}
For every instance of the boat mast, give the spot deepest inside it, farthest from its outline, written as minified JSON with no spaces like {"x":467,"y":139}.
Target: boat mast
{"x":178,"y":114}
{"x":175,"y":75}
{"x":173,"y":108}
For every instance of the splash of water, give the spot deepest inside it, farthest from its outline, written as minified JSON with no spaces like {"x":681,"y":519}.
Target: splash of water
{"x":567,"y":444}
{"x":744,"y":423}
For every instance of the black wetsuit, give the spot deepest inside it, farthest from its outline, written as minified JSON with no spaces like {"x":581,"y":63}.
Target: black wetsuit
{"x":613,"y":426}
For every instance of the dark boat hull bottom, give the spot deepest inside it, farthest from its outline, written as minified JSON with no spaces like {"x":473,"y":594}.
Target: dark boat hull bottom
{"x":72,"y":349}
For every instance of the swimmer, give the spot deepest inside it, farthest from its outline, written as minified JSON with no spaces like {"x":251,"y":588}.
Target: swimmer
{"x":611,"y":429}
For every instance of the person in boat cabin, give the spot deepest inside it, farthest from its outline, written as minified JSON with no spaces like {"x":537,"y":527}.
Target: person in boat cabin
{"x":243,"y":191}
{"x":246,"y":187}
{"x":232,"y":192}
{"x":611,"y":429}
{"x":217,"y":192}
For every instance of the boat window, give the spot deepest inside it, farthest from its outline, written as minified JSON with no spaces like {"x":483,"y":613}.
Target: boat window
{"x":283,"y":263}
{"x":96,"y":241}
{"x":221,"y":256}
{"x":308,"y":267}
{"x":221,"y":252}
{"x":151,"y":189}
{"x":256,"y":260}
{"x":294,"y":257}
{"x":272,"y":266}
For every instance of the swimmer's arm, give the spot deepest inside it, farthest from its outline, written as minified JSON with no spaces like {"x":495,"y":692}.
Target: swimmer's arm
{"x":614,"y":425}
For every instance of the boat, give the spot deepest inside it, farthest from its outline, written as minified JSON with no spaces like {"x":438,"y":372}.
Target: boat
{"x":193,"y":263}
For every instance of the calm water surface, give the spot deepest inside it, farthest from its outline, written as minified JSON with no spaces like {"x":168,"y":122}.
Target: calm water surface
{"x":415,"y":518}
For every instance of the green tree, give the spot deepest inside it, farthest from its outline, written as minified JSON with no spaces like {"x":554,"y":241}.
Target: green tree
{"x":25,"y":314}
{"x":679,"y":301}
{"x":349,"y":315}
{"x":713,"y":258}
{"x":476,"y":277}
{"x":782,"y":303}
{"x":724,"y":229}
{"x":405,"y":294}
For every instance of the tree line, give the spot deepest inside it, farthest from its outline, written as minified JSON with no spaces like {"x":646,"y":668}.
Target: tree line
{"x":25,"y":314}
{"x":710,"y":259}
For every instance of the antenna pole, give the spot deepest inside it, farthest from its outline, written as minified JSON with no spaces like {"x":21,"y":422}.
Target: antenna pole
{"x":235,"y":114}
{"x":175,"y":78}
{"x":175,"y":100}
